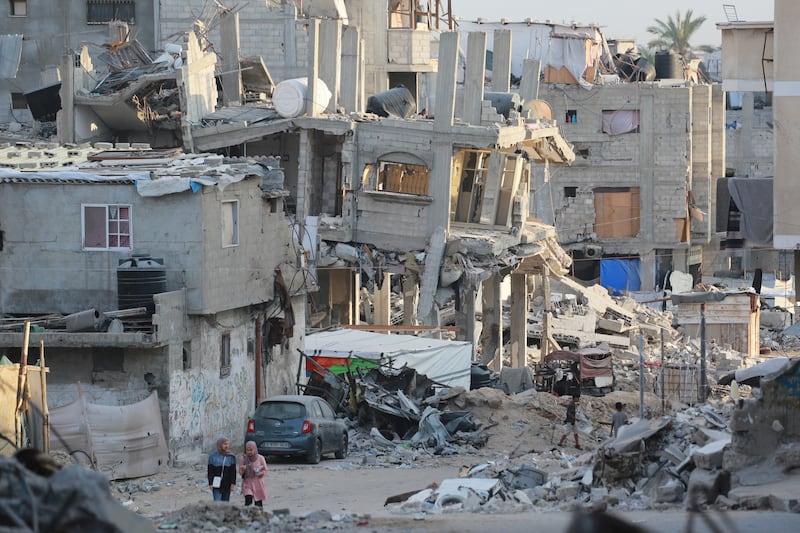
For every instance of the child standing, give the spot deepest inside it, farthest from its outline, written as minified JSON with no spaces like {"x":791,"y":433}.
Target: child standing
{"x":253,"y":468}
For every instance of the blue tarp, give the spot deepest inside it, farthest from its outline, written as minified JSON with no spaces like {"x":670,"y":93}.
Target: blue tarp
{"x":620,"y":275}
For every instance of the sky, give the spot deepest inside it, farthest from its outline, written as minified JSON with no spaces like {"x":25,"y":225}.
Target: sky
{"x":621,"y":19}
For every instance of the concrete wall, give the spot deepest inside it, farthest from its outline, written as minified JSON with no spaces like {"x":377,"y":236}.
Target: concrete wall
{"x":205,"y":405}
{"x":274,"y":33}
{"x":745,"y":46}
{"x":45,"y":270}
{"x":394,"y":221}
{"x":659,"y":158}
{"x":240,"y":275}
{"x":49,"y":28}
{"x":750,"y":141}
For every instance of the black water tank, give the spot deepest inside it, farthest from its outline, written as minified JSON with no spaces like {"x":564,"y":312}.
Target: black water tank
{"x":397,"y":102}
{"x":668,"y":65}
{"x":138,"y":279}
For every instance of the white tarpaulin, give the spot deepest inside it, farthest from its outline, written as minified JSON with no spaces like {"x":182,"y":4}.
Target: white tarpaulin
{"x":446,"y":362}
{"x":124,"y":441}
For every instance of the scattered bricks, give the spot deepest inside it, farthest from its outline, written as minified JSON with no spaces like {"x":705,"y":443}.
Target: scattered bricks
{"x":710,"y":456}
{"x":671,"y":491}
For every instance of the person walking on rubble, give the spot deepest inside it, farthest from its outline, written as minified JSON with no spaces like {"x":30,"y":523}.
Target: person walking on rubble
{"x":569,"y":422}
{"x":253,"y":468}
{"x":222,"y":471}
{"x":618,"y":419}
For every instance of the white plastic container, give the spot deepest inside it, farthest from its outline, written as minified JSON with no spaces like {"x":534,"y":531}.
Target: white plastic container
{"x":289,"y":97}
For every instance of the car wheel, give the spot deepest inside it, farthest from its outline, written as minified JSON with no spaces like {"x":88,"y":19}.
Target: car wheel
{"x":341,"y":453}
{"x":315,"y":455}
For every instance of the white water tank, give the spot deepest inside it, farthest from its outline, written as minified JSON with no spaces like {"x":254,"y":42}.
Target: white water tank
{"x":289,"y":97}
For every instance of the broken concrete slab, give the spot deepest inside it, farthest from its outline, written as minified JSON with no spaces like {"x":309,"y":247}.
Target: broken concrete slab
{"x":710,"y":456}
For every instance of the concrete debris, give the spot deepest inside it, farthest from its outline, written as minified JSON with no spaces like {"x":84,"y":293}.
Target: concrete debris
{"x":37,"y":494}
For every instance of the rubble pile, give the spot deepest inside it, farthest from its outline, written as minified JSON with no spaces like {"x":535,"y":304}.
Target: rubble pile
{"x":37,"y":493}
{"x":224,"y":516}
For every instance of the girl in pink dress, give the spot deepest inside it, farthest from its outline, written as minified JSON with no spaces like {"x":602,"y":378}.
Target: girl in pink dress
{"x":253,"y":468}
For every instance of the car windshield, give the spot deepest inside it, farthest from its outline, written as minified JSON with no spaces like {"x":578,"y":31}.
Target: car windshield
{"x":281,"y":410}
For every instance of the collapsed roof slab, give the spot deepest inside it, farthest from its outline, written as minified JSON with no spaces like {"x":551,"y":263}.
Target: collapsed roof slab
{"x":116,"y":108}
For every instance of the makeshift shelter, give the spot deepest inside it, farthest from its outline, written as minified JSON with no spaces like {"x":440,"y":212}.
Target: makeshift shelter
{"x":122,"y":441}
{"x":444,"y":362}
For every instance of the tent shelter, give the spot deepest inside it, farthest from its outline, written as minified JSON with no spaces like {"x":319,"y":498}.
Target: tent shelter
{"x":445,"y":362}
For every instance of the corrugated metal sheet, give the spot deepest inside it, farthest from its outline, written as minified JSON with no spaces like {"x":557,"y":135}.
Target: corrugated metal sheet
{"x":10,"y":55}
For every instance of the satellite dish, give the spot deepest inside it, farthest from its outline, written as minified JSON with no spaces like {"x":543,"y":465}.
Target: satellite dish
{"x":540,"y":110}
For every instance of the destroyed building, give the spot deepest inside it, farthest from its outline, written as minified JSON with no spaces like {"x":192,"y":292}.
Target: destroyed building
{"x":37,"y":35}
{"x":148,"y":270}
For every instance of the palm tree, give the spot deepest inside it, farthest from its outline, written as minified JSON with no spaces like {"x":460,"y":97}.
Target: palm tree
{"x":674,"y":34}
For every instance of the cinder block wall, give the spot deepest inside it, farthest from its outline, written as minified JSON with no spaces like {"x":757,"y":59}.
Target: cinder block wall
{"x":273,"y":33}
{"x":657,"y":158}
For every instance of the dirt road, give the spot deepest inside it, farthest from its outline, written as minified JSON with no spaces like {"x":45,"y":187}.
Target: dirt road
{"x":348,"y":487}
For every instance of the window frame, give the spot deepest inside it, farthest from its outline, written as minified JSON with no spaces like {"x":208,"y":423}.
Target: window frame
{"x":115,"y":4}
{"x":225,"y":355}
{"x":234,"y":221}
{"x":13,"y":11}
{"x":106,"y":228}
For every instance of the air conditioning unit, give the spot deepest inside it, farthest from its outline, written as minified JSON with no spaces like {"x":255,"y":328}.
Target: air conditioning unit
{"x":593,"y":251}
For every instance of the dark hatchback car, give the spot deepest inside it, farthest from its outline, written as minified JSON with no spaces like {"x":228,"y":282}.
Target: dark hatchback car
{"x":296,"y":425}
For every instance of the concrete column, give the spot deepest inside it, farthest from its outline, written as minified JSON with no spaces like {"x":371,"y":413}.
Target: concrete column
{"x":231,"y":77}
{"x":410,"y":298}
{"x":66,"y":116}
{"x":303,"y":172}
{"x":382,"y":302}
{"x":529,"y":86}
{"x":474,"y":77}
{"x":289,"y":38}
{"x":330,"y":63}
{"x":313,"y":67}
{"x":350,"y":70}
{"x":465,"y":318}
{"x":647,"y":176}
{"x":744,"y":152}
{"x":446,"y":82}
{"x":442,"y":146}
{"x":647,"y":264}
{"x":519,"y":320}
{"x":501,"y":61}
{"x":492,"y":334}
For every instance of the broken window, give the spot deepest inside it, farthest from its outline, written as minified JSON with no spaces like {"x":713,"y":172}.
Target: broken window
{"x":398,"y":172}
{"x":617,"y":122}
{"x":485,"y":187}
{"x":106,"y":227}
{"x":570,"y":192}
{"x":19,"y":8}
{"x":225,"y":356}
{"x":105,"y":11}
{"x":616,"y":212}
{"x":230,"y":223}
{"x":469,"y":193}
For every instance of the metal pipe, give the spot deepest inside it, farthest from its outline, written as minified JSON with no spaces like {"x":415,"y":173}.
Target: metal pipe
{"x":703,"y":385}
